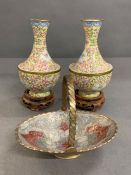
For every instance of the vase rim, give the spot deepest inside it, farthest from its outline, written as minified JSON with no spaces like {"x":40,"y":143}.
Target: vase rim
{"x":91,"y":20}
{"x":37,"y":19}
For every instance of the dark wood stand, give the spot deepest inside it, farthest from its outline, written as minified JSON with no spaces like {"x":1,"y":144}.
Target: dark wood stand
{"x":36,"y":104}
{"x":89,"y":104}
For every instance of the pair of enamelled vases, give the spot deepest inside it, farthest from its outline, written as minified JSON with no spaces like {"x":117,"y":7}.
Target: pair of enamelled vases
{"x":67,"y":132}
{"x":39,"y":73}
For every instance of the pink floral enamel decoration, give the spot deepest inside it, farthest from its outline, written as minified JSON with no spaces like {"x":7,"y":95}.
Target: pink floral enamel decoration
{"x":91,"y":73}
{"x":49,"y":132}
{"x":39,"y":72}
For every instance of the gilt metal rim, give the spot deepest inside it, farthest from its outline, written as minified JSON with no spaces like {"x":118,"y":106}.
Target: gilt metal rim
{"x":40,"y":73}
{"x":91,"y":75}
{"x":37,"y":19}
{"x":92,"y":20}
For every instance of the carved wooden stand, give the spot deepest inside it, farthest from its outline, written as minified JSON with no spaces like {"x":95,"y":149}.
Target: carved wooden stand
{"x":89,"y":104}
{"x":36,"y":104}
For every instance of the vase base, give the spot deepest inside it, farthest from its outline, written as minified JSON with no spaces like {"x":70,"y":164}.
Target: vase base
{"x":39,"y":94}
{"x":35,"y":103}
{"x":89,"y":95}
{"x":89,"y":104}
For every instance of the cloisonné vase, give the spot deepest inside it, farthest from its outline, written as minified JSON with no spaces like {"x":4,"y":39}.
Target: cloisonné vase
{"x":39,"y":72}
{"x":91,"y":73}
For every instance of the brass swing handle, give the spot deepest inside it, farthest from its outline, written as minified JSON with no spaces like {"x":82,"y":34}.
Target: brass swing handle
{"x":69,"y":92}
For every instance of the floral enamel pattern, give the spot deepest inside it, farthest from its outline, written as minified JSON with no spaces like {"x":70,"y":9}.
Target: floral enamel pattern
{"x":49,"y":132}
{"x":32,"y":137}
{"x":39,"y":72}
{"x":93,"y":83}
{"x":100,"y":131}
{"x":39,"y":59}
{"x":38,"y":83}
{"x":91,"y":62}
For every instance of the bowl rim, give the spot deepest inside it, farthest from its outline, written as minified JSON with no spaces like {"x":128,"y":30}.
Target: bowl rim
{"x":64,"y":152}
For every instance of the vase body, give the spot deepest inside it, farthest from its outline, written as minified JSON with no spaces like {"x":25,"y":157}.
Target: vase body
{"x":91,"y":73}
{"x":39,"y":72}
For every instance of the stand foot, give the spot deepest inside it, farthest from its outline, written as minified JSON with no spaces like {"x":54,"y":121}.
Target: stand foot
{"x":67,"y":156}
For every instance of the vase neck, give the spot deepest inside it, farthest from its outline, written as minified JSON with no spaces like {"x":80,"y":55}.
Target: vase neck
{"x":40,"y":31}
{"x":91,"y":29}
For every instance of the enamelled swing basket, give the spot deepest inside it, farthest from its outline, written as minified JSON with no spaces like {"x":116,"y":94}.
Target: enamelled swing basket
{"x":66,"y":133}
